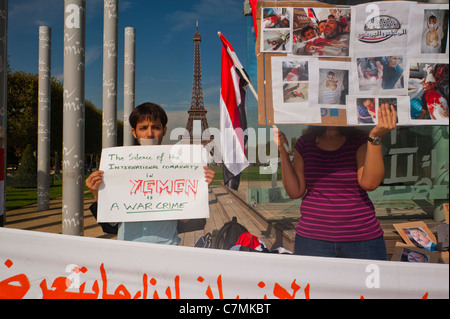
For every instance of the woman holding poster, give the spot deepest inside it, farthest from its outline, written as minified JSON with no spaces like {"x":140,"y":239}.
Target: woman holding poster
{"x":332,"y":170}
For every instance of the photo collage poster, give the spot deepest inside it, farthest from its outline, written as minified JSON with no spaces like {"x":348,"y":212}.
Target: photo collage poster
{"x":382,"y":52}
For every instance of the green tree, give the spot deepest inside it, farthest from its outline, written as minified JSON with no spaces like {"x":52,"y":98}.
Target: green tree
{"x":22,"y":113}
{"x":23,"y":119}
{"x":26,"y":176}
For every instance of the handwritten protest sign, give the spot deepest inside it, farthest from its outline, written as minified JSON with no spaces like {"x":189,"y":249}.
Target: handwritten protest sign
{"x":150,"y":183}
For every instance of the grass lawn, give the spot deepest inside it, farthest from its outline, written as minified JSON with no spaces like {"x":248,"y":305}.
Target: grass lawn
{"x":19,"y":197}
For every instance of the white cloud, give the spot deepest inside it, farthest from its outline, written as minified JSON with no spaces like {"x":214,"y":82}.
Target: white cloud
{"x":125,"y":5}
{"x":93,"y":54}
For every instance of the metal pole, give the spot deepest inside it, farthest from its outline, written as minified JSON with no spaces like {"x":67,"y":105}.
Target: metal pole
{"x":3,"y":103}
{"x":44,"y":123}
{"x":73,"y":118}
{"x":129,"y":83}
{"x":109,"y":127}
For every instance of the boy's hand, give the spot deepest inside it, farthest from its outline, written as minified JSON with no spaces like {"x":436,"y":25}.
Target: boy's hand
{"x":209,"y":175}
{"x":93,"y":183}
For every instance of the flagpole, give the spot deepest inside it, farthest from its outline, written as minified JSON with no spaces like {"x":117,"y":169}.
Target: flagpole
{"x":237,"y":63}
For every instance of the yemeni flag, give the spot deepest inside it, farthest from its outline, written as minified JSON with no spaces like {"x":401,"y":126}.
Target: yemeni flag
{"x":233,"y":119}
{"x":253,"y":4}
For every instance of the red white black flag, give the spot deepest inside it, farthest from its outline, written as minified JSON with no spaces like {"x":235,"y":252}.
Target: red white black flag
{"x":233,"y":119}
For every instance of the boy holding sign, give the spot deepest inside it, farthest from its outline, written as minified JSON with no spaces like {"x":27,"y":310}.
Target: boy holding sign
{"x":148,"y":122}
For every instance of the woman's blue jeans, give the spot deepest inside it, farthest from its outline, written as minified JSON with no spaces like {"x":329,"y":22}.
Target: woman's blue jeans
{"x":374,"y":249}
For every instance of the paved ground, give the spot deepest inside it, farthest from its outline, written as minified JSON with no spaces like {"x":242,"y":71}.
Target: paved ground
{"x":273,"y":223}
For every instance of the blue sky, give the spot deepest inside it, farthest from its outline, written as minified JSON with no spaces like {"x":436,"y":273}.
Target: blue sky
{"x":164,"y":47}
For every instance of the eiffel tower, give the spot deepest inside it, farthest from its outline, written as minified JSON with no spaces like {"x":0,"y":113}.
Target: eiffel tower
{"x":197,"y":112}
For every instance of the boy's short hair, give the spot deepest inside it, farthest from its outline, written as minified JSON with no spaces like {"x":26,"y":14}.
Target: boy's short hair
{"x":146,"y":111}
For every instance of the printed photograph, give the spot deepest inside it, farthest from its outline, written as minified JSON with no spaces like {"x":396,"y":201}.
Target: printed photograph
{"x":366,"y":112}
{"x":419,"y":238}
{"x":295,"y":71}
{"x":385,"y":72}
{"x":333,"y":86}
{"x":435,"y":31}
{"x":321,"y":31}
{"x":389,"y":101}
{"x":428,"y":89}
{"x":295,"y":93}
{"x":279,"y":41}
{"x":276,"y":18}
{"x":417,"y":234}
{"x":410,"y":254}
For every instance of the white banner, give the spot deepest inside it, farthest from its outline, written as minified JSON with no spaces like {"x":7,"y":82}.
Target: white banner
{"x":153,"y":183}
{"x":42,"y":265}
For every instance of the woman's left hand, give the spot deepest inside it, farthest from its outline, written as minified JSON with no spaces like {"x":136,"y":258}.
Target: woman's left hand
{"x":387,"y":121}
